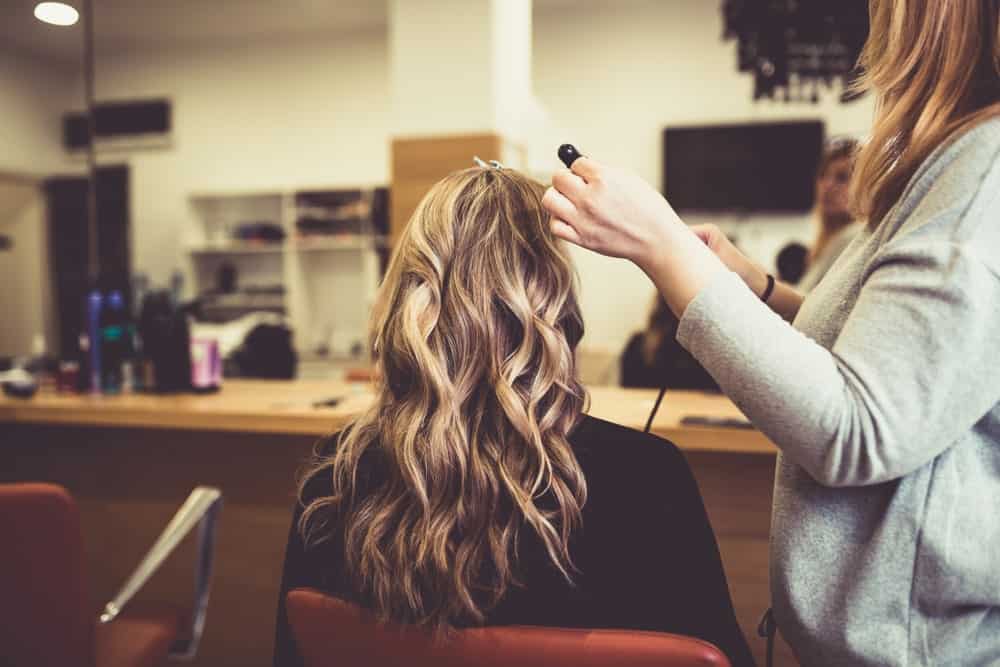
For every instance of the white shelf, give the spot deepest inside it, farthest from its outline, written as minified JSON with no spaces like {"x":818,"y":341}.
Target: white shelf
{"x":332,"y":243}
{"x":330,"y":281}
{"x":237,"y":248}
{"x":338,"y":243}
{"x":246,"y":300}
{"x":230,"y":195}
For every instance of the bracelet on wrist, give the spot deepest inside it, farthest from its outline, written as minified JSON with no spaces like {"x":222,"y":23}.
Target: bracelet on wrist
{"x":769,"y":289}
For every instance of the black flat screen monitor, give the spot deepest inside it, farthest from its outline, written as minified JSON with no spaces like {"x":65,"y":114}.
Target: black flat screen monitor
{"x":750,"y":168}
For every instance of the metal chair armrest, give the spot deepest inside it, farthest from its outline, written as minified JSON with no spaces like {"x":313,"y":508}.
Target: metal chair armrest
{"x":201,"y":509}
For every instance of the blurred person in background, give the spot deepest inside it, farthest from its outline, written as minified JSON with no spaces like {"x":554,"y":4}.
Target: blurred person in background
{"x":836,"y":226}
{"x":791,"y":262}
{"x":654,"y":358}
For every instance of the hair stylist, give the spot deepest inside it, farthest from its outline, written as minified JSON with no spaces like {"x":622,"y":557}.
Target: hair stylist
{"x":883,"y":393}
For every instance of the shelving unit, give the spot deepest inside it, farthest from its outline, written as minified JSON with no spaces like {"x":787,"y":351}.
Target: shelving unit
{"x":331,"y":245}
{"x":237,"y":249}
{"x":320,"y":265}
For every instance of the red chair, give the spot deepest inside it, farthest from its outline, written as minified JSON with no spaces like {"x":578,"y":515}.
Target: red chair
{"x":332,"y":633}
{"x":363,"y":374}
{"x":45,"y":619}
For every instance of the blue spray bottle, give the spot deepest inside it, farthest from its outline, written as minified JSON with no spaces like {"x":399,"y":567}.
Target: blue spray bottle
{"x":113,"y":343}
{"x":94,"y":302}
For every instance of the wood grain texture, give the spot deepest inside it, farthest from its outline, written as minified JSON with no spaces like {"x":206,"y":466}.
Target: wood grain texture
{"x":737,"y":490}
{"x":418,"y":163}
{"x":244,"y":406}
{"x":286,"y":407}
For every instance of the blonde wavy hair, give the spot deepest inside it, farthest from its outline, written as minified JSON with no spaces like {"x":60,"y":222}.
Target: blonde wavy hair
{"x":934,"y":66}
{"x":474,"y":335}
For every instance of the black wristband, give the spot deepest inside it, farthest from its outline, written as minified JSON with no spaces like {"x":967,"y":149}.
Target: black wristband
{"x":767,"y":290}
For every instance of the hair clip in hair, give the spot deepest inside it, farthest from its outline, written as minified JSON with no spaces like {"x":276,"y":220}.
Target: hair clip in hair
{"x":482,"y":163}
{"x":841,"y":141}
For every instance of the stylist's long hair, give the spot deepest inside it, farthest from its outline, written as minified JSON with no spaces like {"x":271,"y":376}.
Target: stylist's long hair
{"x":934,"y":66}
{"x":474,"y":333}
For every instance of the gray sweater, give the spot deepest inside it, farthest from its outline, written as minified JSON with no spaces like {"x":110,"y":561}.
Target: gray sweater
{"x":822,"y":263}
{"x":884,"y":399}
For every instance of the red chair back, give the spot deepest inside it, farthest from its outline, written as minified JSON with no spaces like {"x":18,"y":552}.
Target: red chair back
{"x":332,"y":633}
{"x":44,"y":619}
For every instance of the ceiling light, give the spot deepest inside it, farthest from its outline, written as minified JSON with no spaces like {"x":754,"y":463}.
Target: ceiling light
{"x":56,"y":13}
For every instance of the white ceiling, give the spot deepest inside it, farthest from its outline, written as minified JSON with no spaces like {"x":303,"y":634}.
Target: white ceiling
{"x":129,"y":24}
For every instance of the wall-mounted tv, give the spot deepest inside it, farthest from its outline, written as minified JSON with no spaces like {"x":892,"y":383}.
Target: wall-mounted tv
{"x":749,"y":168}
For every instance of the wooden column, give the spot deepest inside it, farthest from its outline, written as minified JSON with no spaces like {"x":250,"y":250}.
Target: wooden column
{"x":420,"y":162}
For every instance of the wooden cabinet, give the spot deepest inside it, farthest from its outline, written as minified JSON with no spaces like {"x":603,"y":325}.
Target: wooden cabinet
{"x":419,"y":163}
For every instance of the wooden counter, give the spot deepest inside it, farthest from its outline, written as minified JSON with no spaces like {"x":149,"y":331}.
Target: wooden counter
{"x":289,"y":408}
{"x":130,"y":460}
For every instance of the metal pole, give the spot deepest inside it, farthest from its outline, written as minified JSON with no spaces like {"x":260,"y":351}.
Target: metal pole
{"x":93,"y":266}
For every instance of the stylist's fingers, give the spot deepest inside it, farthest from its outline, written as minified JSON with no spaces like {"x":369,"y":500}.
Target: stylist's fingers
{"x":569,"y":184}
{"x":614,"y":212}
{"x":565,"y":231}
{"x":564,"y":216}
{"x":711,"y":236}
{"x":708,"y":233}
{"x":587,"y":169}
{"x":558,"y":205}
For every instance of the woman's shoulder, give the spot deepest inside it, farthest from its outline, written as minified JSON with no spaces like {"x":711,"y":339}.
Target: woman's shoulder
{"x":605,"y":446}
{"x":956,"y":171}
{"x":952,"y":200}
{"x":973,"y":150}
{"x":843,"y":238}
{"x":631,"y":472}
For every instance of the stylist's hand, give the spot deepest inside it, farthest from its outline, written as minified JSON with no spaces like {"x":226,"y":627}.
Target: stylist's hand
{"x":753,"y":275}
{"x":616,"y":213}
{"x":610,"y":211}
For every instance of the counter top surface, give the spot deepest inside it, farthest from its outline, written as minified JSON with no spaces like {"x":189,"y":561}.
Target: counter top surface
{"x":289,"y":407}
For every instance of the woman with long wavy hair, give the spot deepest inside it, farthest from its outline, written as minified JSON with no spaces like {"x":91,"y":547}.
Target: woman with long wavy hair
{"x":882,"y":393}
{"x":475,"y":491}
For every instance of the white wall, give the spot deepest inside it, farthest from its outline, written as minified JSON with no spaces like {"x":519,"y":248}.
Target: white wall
{"x":610,"y":76}
{"x":416,"y":35}
{"x":25,"y":293}
{"x":259,"y":116}
{"x":33,"y":96}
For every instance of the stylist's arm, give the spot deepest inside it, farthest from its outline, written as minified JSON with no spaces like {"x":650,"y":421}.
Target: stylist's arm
{"x":883,"y":399}
{"x":906,"y":334}
{"x":616,"y":213}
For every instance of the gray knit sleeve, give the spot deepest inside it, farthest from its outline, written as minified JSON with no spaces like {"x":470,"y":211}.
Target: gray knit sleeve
{"x":913,"y":368}
{"x":820,"y":265}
